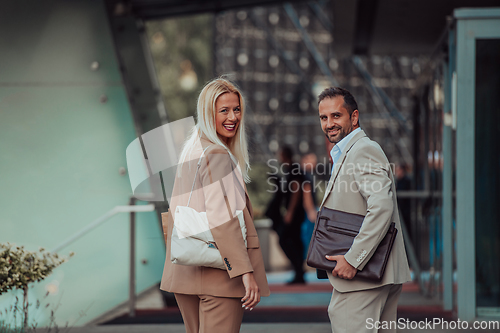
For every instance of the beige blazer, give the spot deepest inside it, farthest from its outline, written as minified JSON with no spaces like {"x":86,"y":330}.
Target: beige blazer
{"x":218,"y":175}
{"x":362,"y":183}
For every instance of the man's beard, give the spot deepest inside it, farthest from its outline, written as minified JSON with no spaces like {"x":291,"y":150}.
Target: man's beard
{"x":342,"y":134}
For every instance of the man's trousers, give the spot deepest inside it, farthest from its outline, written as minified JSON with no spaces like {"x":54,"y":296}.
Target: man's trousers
{"x":364,"y":310}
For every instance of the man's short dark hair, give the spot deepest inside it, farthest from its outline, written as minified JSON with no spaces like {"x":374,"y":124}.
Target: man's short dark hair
{"x":349,"y":101}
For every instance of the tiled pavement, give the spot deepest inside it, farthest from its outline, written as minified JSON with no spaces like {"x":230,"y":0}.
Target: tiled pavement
{"x":290,"y":309}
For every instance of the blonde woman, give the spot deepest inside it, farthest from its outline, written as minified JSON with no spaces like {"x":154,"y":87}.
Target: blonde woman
{"x":211,"y":299}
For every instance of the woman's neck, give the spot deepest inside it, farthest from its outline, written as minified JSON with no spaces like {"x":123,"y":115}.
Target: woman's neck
{"x":223,"y":139}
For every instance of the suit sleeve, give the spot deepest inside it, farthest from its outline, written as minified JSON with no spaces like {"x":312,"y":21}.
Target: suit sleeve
{"x":222,"y":197}
{"x":373,"y":179}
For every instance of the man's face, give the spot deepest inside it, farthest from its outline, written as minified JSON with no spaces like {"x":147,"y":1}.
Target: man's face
{"x":335,"y":119}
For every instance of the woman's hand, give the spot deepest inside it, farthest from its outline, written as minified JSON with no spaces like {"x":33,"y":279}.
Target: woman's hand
{"x":252,"y":292}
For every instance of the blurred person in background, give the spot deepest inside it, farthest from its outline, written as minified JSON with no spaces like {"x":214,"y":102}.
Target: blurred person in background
{"x":309,"y":201}
{"x":273,"y":210}
{"x":288,"y":198}
{"x":291,"y":240}
{"x":211,"y":299}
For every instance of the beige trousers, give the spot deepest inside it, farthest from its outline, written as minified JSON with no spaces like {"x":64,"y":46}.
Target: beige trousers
{"x":210,"y":314}
{"x":360,"y":311}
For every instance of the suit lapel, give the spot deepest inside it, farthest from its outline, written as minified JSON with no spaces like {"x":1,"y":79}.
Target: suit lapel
{"x":339,"y":163}
{"x":333,"y":177}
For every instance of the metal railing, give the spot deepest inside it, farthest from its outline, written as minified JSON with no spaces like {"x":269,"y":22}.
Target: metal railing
{"x":132,"y":209}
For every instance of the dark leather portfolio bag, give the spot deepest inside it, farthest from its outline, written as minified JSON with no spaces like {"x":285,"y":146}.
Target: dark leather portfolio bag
{"x":333,"y":235}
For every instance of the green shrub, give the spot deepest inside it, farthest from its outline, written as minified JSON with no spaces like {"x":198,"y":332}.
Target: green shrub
{"x":19,"y":268}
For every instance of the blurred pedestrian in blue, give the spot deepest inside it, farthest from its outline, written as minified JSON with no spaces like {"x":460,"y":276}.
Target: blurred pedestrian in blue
{"x":309,"y":200}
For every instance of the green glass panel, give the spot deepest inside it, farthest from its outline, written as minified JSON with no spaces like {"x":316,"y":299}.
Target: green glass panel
{"x":487,"y":194}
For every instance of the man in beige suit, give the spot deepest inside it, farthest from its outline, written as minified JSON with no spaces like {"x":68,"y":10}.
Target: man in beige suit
{"x":361,"y":183}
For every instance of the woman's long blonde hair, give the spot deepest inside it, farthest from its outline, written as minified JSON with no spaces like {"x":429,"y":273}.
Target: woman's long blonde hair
{"x":205,"y":116}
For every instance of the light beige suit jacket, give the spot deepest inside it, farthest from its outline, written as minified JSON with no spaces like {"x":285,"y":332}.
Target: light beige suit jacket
{"x":362,"y":183}
{"x":215,"y":178}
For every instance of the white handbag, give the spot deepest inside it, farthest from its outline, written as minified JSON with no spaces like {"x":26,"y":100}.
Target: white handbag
{"x":192,"y":243}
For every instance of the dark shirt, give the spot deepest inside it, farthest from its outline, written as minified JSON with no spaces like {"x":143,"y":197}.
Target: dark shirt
{"x":294,"y":177}
{"x":308,"y":177}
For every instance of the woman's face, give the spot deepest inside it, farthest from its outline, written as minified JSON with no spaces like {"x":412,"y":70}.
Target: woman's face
{"x":227,"y":115}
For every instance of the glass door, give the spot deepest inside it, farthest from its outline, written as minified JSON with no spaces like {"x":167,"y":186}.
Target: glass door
{"x":487,"y":189}
{"x":478,"y":162}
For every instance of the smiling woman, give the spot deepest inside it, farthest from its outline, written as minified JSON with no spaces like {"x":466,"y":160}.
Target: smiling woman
{"x":210,"y":180}
{"x":228,"y":115}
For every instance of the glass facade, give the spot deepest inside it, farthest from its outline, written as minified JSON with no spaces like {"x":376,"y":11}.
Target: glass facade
{"x":487,"y":178}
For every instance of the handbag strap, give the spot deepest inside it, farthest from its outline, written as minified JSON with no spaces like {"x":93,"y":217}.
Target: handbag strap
{"x":225,"y":194}
{"x":196,"y":174}
{"x":236,"y":181}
